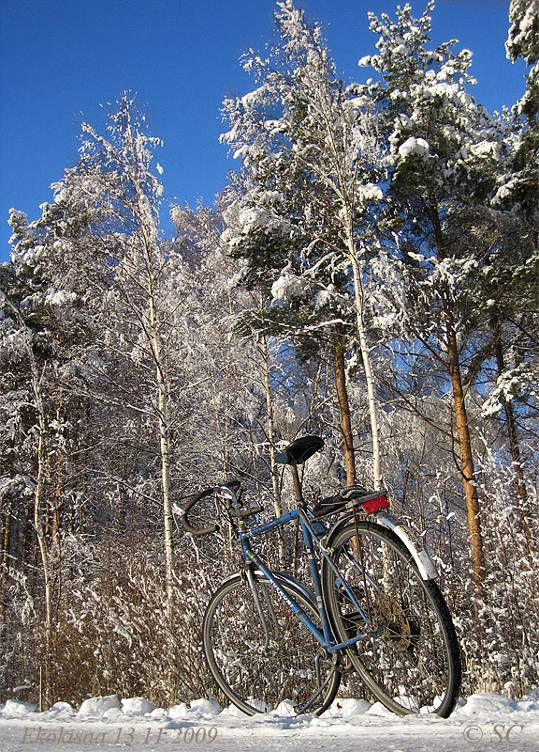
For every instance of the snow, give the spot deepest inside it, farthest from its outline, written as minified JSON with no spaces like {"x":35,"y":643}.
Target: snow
{"x":349,"y":724}
{"x":205,"y":707}
{"x":284,"y":709}
{"x":358,"y":102}
{"x":415,"y":146}
{"x":347,"y":707}
{"x":252,"y":97}
{"x":96,"y":707}
{"x":113,"y":714}
{"x":379,"y":709}
{"x":60,"y":297}
{"x":370,"y":192}
{"x":288,"y":286}
{"x":179,"y":711}
{"x":159,"y":714}
{"x":487,"y":149}
{"x":323,"y":297}
{"x":18,"y":708}
{"x":136,"y":706}
{"x":487,"y":702}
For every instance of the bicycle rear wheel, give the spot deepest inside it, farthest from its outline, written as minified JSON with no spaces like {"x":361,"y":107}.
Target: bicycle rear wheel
{"x":257,"y":672}
{"x":413,"y":660}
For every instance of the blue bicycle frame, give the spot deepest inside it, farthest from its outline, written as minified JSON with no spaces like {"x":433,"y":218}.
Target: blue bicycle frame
{"x":311,"y":539}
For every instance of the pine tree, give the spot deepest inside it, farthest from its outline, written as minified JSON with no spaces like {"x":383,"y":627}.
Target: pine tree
{"x":440,"y":144}
{"x":522,"y":186}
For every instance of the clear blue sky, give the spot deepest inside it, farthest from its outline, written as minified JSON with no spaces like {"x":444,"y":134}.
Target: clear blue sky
{"x":59,"y":59}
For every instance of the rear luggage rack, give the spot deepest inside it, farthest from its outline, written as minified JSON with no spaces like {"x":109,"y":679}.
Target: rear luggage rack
{"x":348,"y":498}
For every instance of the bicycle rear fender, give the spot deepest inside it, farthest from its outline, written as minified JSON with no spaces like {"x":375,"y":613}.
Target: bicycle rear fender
{"x":424,"y":563}
{"x":426,"y":568}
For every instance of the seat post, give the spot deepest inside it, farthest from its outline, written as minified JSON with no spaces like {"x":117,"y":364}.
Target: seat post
{"x":298,"y":495}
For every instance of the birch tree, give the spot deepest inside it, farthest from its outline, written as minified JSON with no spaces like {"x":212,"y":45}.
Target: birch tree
{"x":115,"y":171}
{"x":308,"y":158}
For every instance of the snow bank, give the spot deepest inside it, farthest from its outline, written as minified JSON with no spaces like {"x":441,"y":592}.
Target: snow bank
{"x":487,"y":703}
{"x":96,"y":707}
{"x":379,"y":709}
{"x":235,"y":712}
{"x":347,"y":707}
{"x":205,"y":707}
{"x":113,"y":714}
{"x":18,"y":708}
{"x":178,"y":712}
{"x":284,"y":709}
{"x":159,"y":714}
{"x":136,"y":706}
{"x":482,"y":705}
{"x":530,"y":702}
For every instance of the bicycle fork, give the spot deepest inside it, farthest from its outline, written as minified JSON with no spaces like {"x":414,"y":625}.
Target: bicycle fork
{"x":251,"y":579}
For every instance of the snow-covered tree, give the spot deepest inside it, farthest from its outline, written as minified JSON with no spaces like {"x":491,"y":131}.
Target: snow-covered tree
{"x":308,"y":163}
{"x":522,"y":186}
{"x":442,"y":152}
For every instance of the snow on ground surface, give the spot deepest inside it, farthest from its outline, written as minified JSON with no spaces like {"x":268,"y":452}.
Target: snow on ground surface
{"x":485,"y":723}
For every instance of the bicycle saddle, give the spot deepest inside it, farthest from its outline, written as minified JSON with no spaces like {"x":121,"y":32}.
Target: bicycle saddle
{"x":300,"y":450}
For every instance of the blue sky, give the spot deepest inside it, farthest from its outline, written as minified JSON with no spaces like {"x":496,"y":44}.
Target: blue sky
{"x":61,"y":59}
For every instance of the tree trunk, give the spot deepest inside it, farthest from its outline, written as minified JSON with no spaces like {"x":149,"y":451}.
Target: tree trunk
{"x":466,"y":456}
{"x":360,"y":322}
{"x":511,"y":429}
{"x":38,"y":511}
{"x":6,"y":544}
{"x":148,"y":230}
{"x":164,"y":445}
{"x":40,"y":514}
{"x":270,"y":432}
{"x":462,"y":425}
{"x":344,"y":407}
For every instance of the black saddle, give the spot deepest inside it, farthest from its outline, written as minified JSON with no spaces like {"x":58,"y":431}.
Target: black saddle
{"x":300,"y":450}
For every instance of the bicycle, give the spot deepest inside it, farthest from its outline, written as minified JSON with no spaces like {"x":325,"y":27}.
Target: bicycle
{"x":375,"y":608}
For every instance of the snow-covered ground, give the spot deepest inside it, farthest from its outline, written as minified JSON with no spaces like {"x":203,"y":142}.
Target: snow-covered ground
{"x":485,"y":722}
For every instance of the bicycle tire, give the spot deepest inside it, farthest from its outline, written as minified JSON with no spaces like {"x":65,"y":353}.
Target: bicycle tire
{"x":397,"y":616}
{"x":254,"y":684}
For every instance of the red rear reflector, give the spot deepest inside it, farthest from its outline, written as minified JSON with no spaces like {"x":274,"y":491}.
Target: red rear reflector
{"x":374,"y":505}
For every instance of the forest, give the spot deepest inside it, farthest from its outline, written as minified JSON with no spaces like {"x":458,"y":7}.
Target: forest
{"x":369,"y":275}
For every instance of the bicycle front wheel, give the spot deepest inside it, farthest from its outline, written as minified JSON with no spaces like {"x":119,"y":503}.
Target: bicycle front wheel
{"x":411,"y":658}
{"x":258,"y":668}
